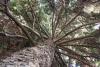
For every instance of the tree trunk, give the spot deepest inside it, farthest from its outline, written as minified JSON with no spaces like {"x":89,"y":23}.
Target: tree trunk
{"x":38,"y":56}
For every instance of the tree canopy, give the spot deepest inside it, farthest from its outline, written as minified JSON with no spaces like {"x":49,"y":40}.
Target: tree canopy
{"x":69,"y":23}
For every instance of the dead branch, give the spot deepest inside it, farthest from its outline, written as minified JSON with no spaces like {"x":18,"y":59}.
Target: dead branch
{"x":67,"y":23}
{"x":75,"y":39}
{"x":88,"y":46}
{"x":18,"y":24}
{"x":75,"y":30}
{"x":2,"y":34}
{"x":75,"y":55}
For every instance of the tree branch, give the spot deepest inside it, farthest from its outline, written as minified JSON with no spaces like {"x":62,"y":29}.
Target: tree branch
{"x":36,"y":33}
{"x":65,"y":25}
{"x":14,"y":36}
{"x":59,"y":59}
{"x":75,"y":55}
{"x":59,"y":12}
{"x":88,"y":46}
{"x":74,"y":30}
{"x":79,"y":38}
{"x":18,"y":24}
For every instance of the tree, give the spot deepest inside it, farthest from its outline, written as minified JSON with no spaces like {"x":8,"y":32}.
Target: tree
{"x":56,"y":28}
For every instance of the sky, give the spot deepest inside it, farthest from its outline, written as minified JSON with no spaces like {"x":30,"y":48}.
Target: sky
{"x":97,"y":25}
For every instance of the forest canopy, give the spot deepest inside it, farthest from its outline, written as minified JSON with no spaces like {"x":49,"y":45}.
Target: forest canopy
{"x":71,"y":27}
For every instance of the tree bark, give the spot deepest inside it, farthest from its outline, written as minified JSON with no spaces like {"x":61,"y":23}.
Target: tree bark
{"x":38,"y":56}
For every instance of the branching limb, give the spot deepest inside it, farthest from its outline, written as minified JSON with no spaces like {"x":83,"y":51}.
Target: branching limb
{"x":88,"y":46}
{"x":75,"y":55}
{"x":75,"y":39}
{"x":18,"y":24}
{"x":67,"y":23}
{"x":63,"y":64}
{"x":75,"y":30}
{"x":57,"y":19}
{"x":53,"y":23}
{"x":12,"y":36}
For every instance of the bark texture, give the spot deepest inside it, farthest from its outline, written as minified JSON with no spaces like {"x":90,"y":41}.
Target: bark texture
{"x":38,"y":56}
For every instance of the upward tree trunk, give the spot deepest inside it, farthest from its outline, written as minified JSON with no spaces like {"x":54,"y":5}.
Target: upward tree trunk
{"x":38,"y":56}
